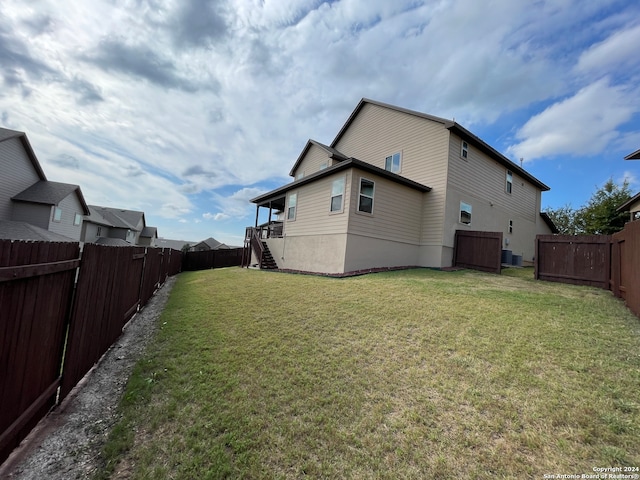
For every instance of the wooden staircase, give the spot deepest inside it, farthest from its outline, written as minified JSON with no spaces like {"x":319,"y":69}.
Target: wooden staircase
{"x":268,"y":262}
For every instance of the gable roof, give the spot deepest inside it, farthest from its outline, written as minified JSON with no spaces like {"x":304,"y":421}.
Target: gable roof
{"x":50,"y":193}
{"x":11,"y":230}
{"x":451,"y":126}
{"x":210,"y":242}
{"x":547,"y":219}
{"x":626,"y":205}
{"x":331,"y":153}
{"x":6,"y":134}
{"x":115,"y":217}
{"x":173,"y":244}
{"x":149,"y":232}
{"x":633,"y":156}
{"x":343,"y":165}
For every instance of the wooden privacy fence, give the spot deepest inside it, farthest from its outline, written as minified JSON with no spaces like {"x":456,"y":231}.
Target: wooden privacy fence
{"x":625,"y":265}
{"x":611,"y":262}
{"x":478,"y":250}
{"x":228,"y":257}
{"x":38,"y":306}
{"x":575,"y":259}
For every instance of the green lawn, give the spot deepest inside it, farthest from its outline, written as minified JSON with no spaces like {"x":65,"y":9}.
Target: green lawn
{"x":410,"y":374}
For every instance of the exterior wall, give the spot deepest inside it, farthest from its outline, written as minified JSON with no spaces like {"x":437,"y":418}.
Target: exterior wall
{"x":310,"y":253}
{"x":480,"y":182}
{"x":312,"y":161}
{"x":90,"y":232}
{"x":364,"y":252}
{"x":633,"y":209}
{"x":36,"y":214}
{"x":397,"y":211}
{"x":378,"y":132}
{"x":70,"y":205}
{"x":17,"y":174}
{"x":313,"y":215}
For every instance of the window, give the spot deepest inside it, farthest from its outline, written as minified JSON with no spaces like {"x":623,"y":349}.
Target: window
{"x":323,"y":166}
{"x":99,"y":232}
{"x":465,"y":213}
{"x":337,"y":193}
{"x":291,"y":211}
{"x":510,"y":226}
{"x":365,"y":198}
{"x":464,"y":150}
{"x":392,"y":163}
{"x":636,"y":215}
{"x":57,"y":214}
{"x":77,"y":220}
{"x":299,"y":175}
{"x":509,"y":186}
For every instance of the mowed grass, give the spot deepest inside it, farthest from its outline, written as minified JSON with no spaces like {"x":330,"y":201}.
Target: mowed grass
{"x":411,"y":374}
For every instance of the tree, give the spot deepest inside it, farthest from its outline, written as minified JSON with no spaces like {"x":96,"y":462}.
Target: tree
{"x":185,"y":248}
{"x":564,"y":218}
{"x":599,"y":216}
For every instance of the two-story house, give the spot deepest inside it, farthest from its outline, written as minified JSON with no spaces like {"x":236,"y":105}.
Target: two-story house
{"x":633,"y":204}
{"x":391,"y":190}
{"x":31,"y":207}
{"x":117,"y":226}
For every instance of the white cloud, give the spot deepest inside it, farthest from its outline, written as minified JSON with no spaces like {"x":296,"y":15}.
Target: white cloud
{"x":584,"y":124}
{"x":620,"y":51}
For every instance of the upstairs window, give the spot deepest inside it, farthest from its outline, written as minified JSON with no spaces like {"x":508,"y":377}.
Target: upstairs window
{"x":465,"y":213}
{"x":464,"y":149}
{"x":509,"y":185}
{"x":57,"y":214}
{"x":77,"y":220}
{"x":337,"y":194}
{"x":323,"y":166}
{"x":365,"y":197}
{"x":299,"y":175}
{"x":392,"y":163}
{"x":291,"y":211}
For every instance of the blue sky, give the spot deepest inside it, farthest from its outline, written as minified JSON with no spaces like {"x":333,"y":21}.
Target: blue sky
{"x":187,"y":109}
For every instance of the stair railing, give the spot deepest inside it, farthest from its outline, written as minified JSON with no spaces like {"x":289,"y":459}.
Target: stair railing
{"x":256,"y":244}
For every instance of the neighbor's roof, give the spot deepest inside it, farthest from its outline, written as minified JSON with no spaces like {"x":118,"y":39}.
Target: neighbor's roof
{"x":344,"y":165}
{"x":50,"y":193}
{"x":115,"y":217}
{"x":10,"y":230}
{"x":547,"y":219}
{"x":626,"y":205}
{"x":452,"y":126}
{"x":633,"y":156}
{"x":173,"y":244}
{"x":112,"y":242}
{"x":6,"y":134}
{"x":149,"y":232}
{"x":211,"y":242}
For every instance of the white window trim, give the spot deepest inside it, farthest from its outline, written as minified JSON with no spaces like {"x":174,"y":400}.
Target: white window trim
{"x":341,"y":195}
{"x":399,"y":154}
{"x":508,"y":182}
{"x":360,"y":194}
{"x":470,"y":213}
{"x":77,"y":219}
{"x":57,"y":212}
{"x":464,"y":150}
{"x":295,"y":206}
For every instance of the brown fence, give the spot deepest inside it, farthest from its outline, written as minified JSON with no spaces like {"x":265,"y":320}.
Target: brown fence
{"x":38,"y":305}
{"x":574,"y":259}
{"x":478,"y":250}
{"x":625,"y":265}
{"x":231,"y":257}
{"x":36,"y":286}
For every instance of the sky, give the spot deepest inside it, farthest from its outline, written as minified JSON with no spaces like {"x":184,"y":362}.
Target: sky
{"x":187,"y":109}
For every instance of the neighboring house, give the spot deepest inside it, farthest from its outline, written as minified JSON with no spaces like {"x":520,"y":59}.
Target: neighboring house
{"x":173,"y":244}
{"x":633,"y":156}
{"x":633,"y":204}
{"x":208,"y":244}
{"x":391,"y":190}
{"x":29,"y":201}
{"x":117,"y":226}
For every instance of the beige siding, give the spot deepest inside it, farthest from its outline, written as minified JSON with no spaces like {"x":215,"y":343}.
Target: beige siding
{"x":312,"y":161}
{"x":397,"y":211}
{"x":364,"y":252}
{"x":17,"y":174}
{"x":484,"y":178}
{"x":378,"y":132}
{"x":70,"y":205}
{"x":313,"y":215}
{"x":633,"y":208}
